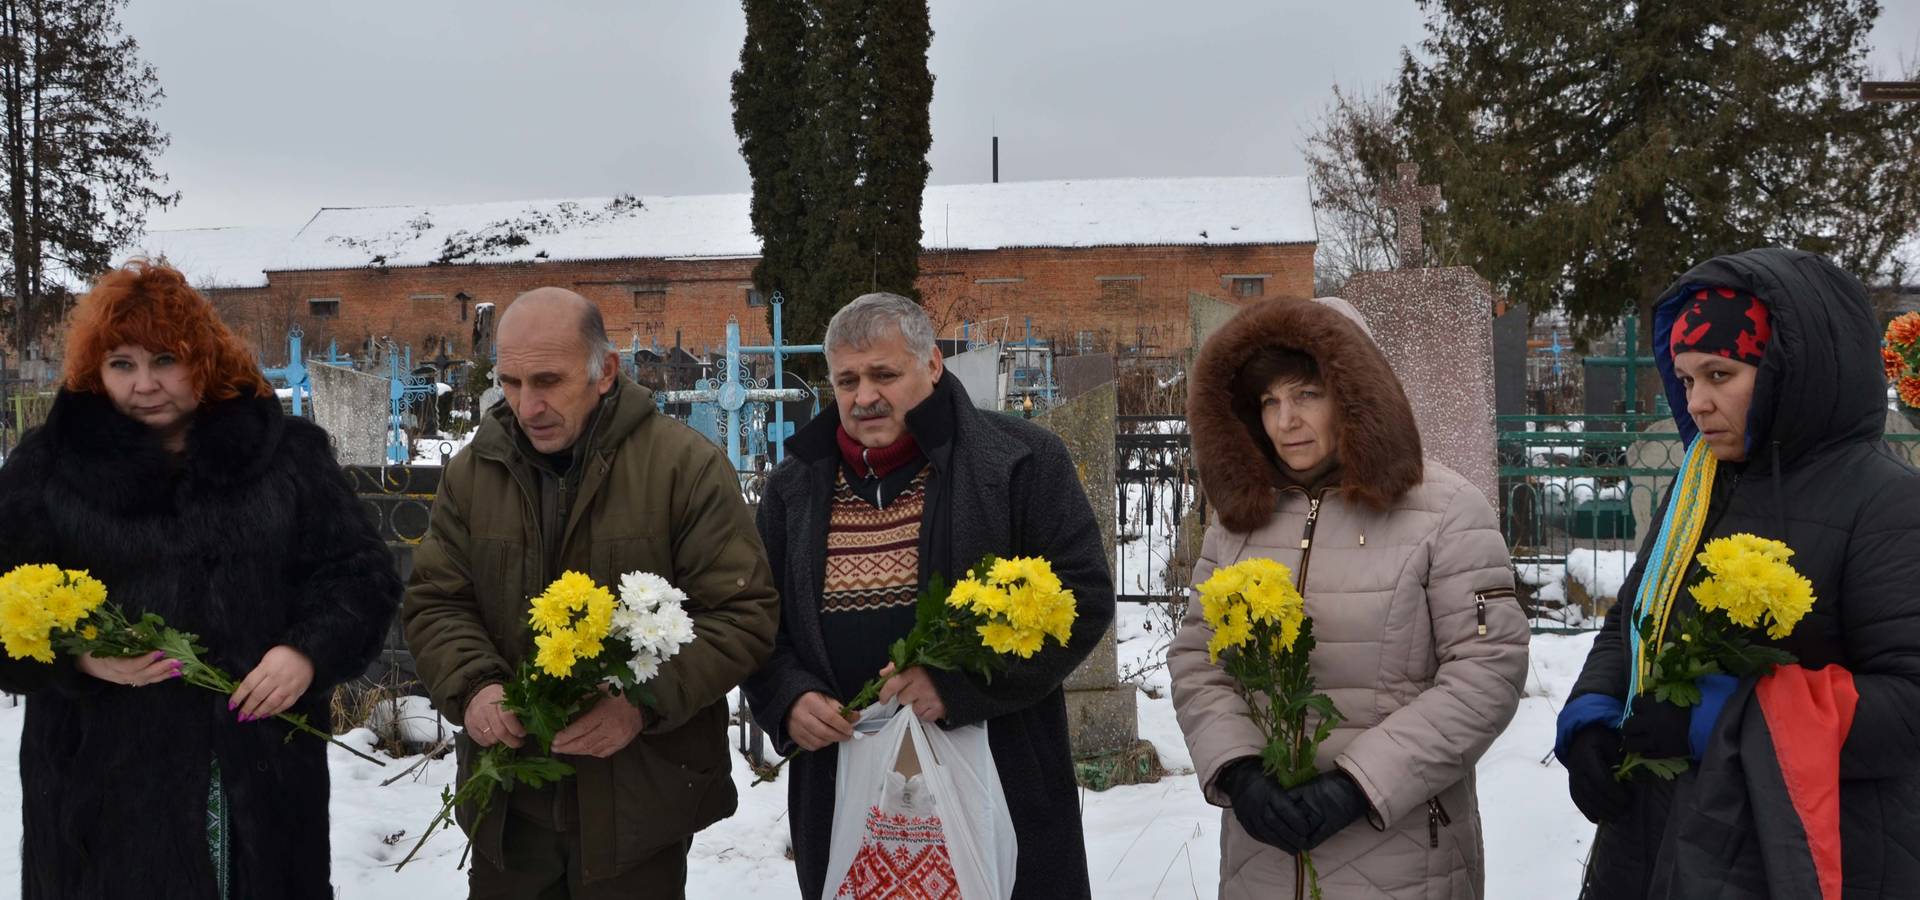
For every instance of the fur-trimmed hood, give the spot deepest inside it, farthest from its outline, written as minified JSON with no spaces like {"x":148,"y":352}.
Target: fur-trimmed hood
{"x":1378,"y":443}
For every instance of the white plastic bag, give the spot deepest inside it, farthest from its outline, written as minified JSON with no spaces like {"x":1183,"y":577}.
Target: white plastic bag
{"x":903,"y":789}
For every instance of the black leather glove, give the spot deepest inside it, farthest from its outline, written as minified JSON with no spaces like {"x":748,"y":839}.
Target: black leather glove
{"x":1656,"y":730}
{"x":1324,"y":807}
{"x":1259,"y":803}
{"x":1592,"y":755}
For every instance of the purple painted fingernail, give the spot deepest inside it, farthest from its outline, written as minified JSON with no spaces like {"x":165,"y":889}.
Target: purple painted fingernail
{"x":231,"y":706}
{"x":159,"y":655}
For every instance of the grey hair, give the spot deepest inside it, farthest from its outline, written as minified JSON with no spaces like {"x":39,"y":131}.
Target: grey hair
{"x":872,"y":317}
{"x":593,"y":333}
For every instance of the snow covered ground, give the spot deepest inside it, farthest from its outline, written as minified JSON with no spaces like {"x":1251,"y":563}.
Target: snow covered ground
{"x":1600,"y":572}
{"x":1146,"y":841}
{"x":431,"y":451}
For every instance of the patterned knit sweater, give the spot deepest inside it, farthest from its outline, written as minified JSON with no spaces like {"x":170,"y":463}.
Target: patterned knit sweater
{"x":873,"y":572}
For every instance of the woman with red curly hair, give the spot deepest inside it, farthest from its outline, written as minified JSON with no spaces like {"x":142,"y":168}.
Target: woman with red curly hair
{"x":167,"y":469}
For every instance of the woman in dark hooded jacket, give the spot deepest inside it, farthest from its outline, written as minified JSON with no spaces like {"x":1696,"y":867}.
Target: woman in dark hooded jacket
{"x":167,"y":470}
{"x":1770,"y":360}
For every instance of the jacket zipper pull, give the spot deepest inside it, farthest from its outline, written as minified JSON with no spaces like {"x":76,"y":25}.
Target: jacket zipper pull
{"x":1313,"y":514}
{"x":865,"y":461}
{"x":1433,"y":825}
{"x":1480,"y":610}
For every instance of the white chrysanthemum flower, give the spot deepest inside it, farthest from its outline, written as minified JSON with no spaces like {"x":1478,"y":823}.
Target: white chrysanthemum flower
{"x":650,"y":635}
{"x":623,"y":621}
{"x":652,"y":619}
{"x":644,"y":590}
{"x":677,"y":625}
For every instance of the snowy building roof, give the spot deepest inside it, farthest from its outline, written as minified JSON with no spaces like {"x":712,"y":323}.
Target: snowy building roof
{"x":217,"y":257}
{"x":1079,"y":213}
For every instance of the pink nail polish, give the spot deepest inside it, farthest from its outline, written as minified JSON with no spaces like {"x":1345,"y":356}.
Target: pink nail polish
{"x":231,"y":706}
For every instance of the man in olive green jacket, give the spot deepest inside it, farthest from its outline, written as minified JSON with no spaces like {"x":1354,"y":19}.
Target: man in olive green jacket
{"x":576,"y":471}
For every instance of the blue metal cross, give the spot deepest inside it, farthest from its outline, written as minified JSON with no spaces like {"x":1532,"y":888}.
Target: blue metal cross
{"x":294,"y":373}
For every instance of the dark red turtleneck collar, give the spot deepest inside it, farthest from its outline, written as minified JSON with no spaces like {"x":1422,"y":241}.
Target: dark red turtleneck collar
{"x":878,"y":461}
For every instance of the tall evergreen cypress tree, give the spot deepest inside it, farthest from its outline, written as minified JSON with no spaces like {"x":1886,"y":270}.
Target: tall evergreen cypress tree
{"x":838,"y":85}
{"x":836,"y":135}
{"x":1592,"y":150}
{"x":768,"y":117}
{"x":896,"y":170}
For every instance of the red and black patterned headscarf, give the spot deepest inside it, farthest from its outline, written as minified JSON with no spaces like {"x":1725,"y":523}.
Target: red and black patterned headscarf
{"x":1723,"y":322}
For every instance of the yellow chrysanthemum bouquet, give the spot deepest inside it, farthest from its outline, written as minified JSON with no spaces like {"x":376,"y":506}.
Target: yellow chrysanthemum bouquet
{"x":1749,"y":588}
{"x":46,"y":610}
{"x":587,"y":644}
{"x":1003,"y":608}
{"x":1262,"y":637}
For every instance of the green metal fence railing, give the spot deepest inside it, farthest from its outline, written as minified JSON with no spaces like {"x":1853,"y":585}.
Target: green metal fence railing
{"x":1576,"y":493}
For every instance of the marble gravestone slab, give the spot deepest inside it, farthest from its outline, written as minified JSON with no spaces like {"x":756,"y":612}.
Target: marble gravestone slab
{"x":1436,"y":328}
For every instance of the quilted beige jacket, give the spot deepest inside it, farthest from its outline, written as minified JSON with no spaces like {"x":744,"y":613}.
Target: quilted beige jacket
{"x":1421,"y":644}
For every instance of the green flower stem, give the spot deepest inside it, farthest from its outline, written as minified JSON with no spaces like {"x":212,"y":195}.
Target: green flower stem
{"x":200,"y":674}
{"x":869,"y":693}
{"x":849,"y":710}
{"x":119,"y":636}
{"x":499,"y":767}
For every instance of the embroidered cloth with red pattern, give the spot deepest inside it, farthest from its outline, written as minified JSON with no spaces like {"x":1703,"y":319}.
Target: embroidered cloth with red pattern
{"x":902,"y":857}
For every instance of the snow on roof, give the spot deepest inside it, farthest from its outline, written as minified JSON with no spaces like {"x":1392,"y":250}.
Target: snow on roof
{"x":1079,"y":213}
{"x":217,"y":257}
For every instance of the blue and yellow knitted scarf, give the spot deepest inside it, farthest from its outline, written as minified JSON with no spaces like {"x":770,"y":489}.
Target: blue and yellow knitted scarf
{"x":1680,"y":527}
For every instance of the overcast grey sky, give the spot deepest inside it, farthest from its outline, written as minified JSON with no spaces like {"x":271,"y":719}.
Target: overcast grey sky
{"x":277,"y":109}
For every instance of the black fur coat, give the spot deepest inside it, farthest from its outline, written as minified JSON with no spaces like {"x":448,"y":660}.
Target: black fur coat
{"x":252,"y":539}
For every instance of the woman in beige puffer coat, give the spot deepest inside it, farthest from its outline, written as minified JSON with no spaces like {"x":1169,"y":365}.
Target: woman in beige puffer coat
{"x":1309,"y":455}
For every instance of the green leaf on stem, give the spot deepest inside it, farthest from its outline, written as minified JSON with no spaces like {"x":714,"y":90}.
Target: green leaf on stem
{"x":1678,"y":693}
{"x":1665,"y":768}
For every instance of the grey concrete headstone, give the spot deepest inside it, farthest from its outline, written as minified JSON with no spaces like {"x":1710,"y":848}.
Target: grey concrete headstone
{"x":1101,"y":715}
{"x":1660,"y":449}
{"x":353,"y":408}
{"x":1205,"y":315}
{"x":979,"y":372}
{"x":1436,"y":328}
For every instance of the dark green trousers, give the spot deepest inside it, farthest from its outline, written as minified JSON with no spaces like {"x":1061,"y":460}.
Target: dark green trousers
{"x":544,"y":864}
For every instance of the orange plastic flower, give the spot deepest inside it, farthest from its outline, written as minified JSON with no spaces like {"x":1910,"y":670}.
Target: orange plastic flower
{"x":1896,"y":366}
{"x":1904,"y":330}
{"x":1910,"y":390}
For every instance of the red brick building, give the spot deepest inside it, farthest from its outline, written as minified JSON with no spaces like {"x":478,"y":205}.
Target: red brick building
{"x":1095,"y":265}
